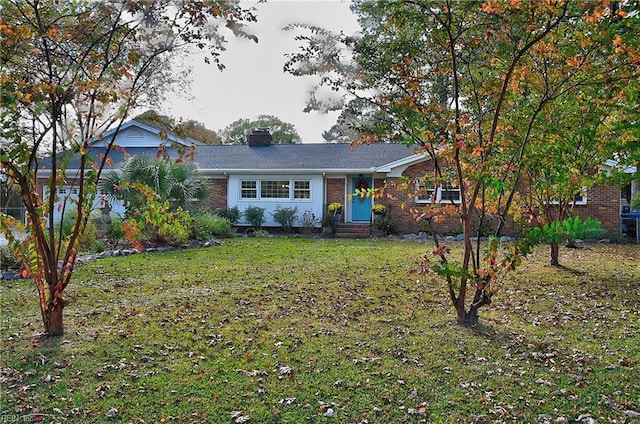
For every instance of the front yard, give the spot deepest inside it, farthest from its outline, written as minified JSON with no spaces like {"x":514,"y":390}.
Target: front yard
{"x":307,"y":330}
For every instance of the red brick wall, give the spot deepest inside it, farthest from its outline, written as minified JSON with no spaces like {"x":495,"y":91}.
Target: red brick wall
{"x":219,"y":193}
{"x":603,"y":203}
{"x":335,"y":191}
{"x":402,"y":217}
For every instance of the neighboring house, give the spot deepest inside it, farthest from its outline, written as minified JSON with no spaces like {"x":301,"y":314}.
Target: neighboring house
{"x":135,"y":138}
{"x":311,"y":176}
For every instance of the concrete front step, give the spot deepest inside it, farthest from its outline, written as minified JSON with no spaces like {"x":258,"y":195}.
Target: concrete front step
{"x":348,"y":230}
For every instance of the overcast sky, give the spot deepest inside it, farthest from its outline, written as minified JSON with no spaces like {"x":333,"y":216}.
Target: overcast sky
{"x":253,"y":82}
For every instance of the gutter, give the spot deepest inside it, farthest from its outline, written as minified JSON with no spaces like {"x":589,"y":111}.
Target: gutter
{"x":324,"y":171}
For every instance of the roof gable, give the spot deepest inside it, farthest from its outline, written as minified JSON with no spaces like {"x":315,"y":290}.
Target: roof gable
{"x":137,"y":134}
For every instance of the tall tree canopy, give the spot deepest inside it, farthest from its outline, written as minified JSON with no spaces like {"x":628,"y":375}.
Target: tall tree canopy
{"x":238,"y":131}
{"x":474,"y":85}
{"x":70,"y":71}
{"x":183,"y":129}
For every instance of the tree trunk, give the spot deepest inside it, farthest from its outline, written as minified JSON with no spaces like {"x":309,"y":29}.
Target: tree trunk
{"x":471,"y":318}
{"x":468,"y":319}
{"x":462,"y":315}
{"x":54,"y":318}
{"x":555,"y":250}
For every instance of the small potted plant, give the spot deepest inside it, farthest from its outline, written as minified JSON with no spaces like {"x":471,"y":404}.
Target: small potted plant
{"x":335,"y":207}
{"x":328,"y":224}
{"x":379,"y":209}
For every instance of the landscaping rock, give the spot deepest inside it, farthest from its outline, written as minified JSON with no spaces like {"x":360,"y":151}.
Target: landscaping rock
{"x":632,"y":414}
{"x":460,"y":237}
{"x":545,"y":419}
{"x":11,"y":276}
{"x":587,"y":419}
{"x":410,"y":236}
{"x":505,"y":239}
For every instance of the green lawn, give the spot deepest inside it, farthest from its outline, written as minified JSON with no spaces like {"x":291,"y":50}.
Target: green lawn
{"x":310,"y":330}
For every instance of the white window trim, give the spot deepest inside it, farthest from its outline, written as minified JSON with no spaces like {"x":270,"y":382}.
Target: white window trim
{"x":287,"y":185}
{"x":305,"y":190}
{"x":257,"y":189}
{"x":292,"y":190}
{"x":580,"y":199}
{"x":438,"y":191}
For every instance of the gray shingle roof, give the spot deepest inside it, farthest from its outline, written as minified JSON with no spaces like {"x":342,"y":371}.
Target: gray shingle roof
{"x":285,"y":157}
{"x":318,"y":156}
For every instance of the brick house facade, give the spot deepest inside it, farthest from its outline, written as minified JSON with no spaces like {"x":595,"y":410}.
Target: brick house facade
{"x":311,"y":176}
{"x":602,"y":203}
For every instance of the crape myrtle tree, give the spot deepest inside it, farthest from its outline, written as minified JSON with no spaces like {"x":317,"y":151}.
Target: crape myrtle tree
{"x":579,"y":136}
{"x":590,"y":76}
{"x":238,"y":131}
{"x":70,"y":71}
{"x":461,"y":81}
{"x":357,"y":116}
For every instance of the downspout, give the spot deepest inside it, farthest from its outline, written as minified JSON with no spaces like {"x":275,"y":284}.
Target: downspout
{"x":373,"y":186}
{"x":325,"y":201}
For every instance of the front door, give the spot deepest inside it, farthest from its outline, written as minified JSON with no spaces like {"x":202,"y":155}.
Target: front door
{"x":360,"y":205}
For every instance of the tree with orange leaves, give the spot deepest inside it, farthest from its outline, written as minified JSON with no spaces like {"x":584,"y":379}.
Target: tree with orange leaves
{"x":468,"y":83}
{"x":69,"y":72}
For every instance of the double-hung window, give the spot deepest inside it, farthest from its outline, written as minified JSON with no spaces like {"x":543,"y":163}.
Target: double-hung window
{"x":578,"y":199}
{"x":444,"y":193}
{"x":249,"y":189}
{"x":302,"y":189}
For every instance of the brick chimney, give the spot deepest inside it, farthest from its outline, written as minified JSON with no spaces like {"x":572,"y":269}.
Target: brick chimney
{"x":260,"y":137}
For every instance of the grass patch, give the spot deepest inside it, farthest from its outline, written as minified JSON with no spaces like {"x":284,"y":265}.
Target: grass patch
{"x":307,"y":330}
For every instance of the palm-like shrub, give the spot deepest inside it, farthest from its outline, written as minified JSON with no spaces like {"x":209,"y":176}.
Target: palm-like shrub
{"x":180,"y":183}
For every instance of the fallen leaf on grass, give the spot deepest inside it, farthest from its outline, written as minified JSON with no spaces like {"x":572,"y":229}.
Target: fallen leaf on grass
{"x":112,"y":413}
{"x":287,"y":401}
{"x":237,"y":417}
{"x":330,"y":412}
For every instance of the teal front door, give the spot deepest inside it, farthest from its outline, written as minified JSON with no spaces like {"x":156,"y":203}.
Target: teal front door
{"x":360,"y":206}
